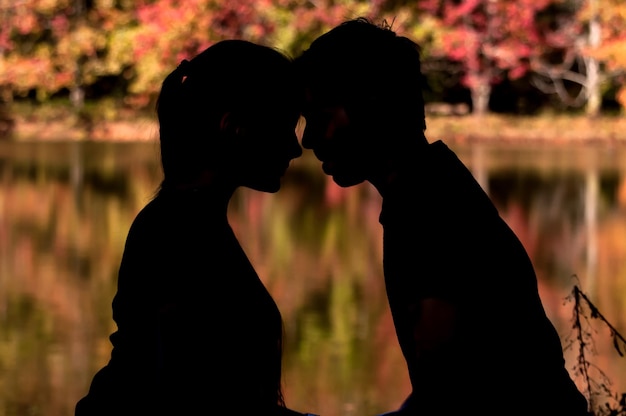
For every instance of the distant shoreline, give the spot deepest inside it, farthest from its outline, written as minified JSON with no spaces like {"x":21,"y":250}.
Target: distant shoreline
{"x":558,"y":129}
{"x":59,"y":130}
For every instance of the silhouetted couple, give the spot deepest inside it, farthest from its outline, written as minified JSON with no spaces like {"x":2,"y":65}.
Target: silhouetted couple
{"x":198,"y":333}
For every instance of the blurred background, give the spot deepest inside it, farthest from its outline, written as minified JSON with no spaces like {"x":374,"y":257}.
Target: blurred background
{"x":531,"y":95}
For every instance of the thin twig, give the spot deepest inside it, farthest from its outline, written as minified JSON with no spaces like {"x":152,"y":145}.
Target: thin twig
{"x":596,"y":313}
{"x":582,"y":360}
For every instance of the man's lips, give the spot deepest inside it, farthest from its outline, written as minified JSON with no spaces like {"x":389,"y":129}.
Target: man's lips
{"x":327,"y":167}
{"x":319,"y":154}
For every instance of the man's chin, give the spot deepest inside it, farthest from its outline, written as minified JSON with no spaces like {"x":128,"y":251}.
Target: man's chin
{"x":345,"y":181}
{"x":327,"y":168}
{"x":340,"y":178}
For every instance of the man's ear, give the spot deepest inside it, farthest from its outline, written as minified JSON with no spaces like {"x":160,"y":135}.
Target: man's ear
{"x":230,"y":125}
{"x":227,"y":123}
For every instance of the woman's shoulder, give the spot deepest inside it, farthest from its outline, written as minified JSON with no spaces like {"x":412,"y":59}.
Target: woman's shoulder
{"x":150,"y":211}
{"x":285,"y":411}
{"x":152,"y":220}
{"x":163,"y":208}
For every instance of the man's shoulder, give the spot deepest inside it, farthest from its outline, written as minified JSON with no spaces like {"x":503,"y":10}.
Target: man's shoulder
{"x":436,"y":184}
{"x":430,"y":167}
{"x":439,"y":145}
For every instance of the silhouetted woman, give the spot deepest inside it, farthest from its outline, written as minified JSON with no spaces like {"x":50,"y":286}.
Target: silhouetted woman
{"x":198,"y":333}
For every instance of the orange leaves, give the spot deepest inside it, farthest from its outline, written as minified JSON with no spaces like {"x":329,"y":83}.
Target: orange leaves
{"x":142,"y":40}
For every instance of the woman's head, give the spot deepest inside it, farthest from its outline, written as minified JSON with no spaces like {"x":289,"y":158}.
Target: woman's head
{"x":230,"y":112}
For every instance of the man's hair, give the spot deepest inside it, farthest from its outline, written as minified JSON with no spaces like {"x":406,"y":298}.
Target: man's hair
{"x":359,"y":60}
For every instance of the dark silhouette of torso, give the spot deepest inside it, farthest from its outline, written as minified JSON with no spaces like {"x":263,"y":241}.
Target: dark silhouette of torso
{"x":197,"y":329}
{"x":444,"y":238}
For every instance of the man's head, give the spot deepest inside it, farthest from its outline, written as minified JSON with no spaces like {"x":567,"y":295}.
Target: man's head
{"x":364,"y":99}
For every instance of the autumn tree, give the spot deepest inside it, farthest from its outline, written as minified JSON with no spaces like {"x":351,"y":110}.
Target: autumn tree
{"x":583,"y":52}
{"x":490,"y":40}
{"x":168,"y":31}
{"x":611,"y":50}
{"x":300,"y":22}
{"x":26,"y":31}
{"x":48,"y":46}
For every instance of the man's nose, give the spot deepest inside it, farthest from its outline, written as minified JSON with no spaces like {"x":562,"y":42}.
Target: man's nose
{"x":296,"y":149}
{"x":308,"y":138}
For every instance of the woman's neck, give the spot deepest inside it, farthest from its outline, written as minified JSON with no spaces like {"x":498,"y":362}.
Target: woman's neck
{"x":206,"y":183}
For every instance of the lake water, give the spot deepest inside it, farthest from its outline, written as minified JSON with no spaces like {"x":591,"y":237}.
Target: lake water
{"x":65,"y":209}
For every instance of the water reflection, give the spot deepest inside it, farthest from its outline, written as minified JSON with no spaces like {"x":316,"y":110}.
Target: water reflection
{"x":65,"y":209}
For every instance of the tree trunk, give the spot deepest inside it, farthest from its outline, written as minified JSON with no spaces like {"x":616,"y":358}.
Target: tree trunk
{"x":77,"y":97}
{"x":594,"y":96}
{"x":480,"y":98}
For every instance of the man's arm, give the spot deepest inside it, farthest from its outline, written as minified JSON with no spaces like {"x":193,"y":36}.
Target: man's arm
{"x":434,"y":326}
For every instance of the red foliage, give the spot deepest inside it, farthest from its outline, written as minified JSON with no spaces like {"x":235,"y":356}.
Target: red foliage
{"x":490,"y":38}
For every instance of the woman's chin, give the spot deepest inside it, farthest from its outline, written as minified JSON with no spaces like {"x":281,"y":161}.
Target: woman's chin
{"x":268,"y":187}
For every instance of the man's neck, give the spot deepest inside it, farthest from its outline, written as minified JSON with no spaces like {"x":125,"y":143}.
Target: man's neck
{"x":393,"y":167}
{"x":383,"y":180}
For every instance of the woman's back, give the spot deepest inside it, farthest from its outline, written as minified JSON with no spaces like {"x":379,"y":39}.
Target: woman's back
{"x":195,"y":323}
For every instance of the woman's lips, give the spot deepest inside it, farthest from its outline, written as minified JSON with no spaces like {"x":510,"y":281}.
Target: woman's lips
{"x":327,"y":167}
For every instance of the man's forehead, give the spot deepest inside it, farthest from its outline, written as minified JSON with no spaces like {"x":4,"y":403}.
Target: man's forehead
{"x":318,"y":94}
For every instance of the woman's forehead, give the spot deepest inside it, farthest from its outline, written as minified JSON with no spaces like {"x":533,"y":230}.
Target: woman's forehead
{"x":321,"y":96}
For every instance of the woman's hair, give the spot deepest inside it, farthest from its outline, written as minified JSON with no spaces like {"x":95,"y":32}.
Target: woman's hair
{"x":233,"y":76}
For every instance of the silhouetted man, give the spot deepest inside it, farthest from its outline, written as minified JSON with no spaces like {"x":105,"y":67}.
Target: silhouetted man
{"x":461,"y":287}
